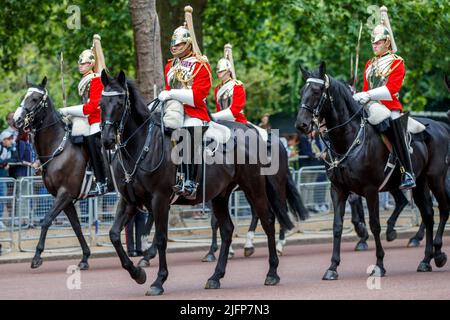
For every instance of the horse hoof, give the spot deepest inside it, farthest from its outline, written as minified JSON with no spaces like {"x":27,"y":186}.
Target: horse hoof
{"x":143,"y":263}
{"x":36,"y":263}
{"x":249,"y":251}
{"x":391,"y":235}
{"x":230,"y":255}
{"x":83,"y":265}
{"x":209,"y":258}
{"x":361,"y":246}
{"x":413,"y":243}
{"x":424,"y":267}
{"x":212,"y":284}
{"x":330,"y":275}
{"x":272,"y":280}
{"x":378,"y":272}
{"x":141,"y":276}
{"x":154,"y":291}
{"x":440,"y":259}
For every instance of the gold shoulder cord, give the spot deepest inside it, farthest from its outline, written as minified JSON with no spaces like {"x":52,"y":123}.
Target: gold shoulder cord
{"x":387,"y":74}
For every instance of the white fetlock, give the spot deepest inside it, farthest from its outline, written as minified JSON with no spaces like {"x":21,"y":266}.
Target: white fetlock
{"x":280,"y":245}
{"x":145,"y":245}
{"x":231,"y":251}
{"x":249,"y":241}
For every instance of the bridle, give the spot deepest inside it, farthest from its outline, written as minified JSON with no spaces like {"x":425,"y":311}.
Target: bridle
{"x":42,"y":105}
{"x":29,"y":119}
{"x":120,"y":127}
{"x":316,"y":111}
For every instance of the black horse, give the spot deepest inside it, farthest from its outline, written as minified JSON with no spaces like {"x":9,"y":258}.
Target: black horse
{"x":146,"y":178}
{"x":359,"y":157}
{"x":63,"y":163}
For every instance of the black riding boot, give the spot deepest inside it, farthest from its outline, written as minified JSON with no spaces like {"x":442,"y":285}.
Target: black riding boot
{"x":96,"y":159}
{"x":398,"y":140}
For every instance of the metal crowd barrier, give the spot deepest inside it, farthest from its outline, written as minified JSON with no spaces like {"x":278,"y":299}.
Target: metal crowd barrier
{"x":7,"y":213}
{"x":34,"y":202}
{"x":24,"y":203}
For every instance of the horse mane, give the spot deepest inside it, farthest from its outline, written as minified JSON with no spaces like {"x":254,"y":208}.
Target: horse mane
{"x":339,"y":88}
{"x":137,"y":99}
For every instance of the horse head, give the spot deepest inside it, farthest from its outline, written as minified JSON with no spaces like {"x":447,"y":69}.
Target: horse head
{"x":313,"y":96}
{"x":114,"y":105}
{"x":30,"y":112}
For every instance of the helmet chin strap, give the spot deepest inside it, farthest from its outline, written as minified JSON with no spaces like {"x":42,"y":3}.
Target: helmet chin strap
{"x":384,"y":49}
{"x":88,"y":71}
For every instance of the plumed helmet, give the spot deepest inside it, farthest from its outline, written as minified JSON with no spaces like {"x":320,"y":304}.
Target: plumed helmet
{"x":383,"y":31}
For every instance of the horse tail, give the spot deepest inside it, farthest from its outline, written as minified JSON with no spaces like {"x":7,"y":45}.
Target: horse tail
{"x":294,"y":199}
{"x":278,"y":208}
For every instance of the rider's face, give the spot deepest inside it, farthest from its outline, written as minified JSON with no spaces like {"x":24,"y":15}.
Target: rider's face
{"x":224,"y":75}
{"x":379,"y":47}
{"x":84,"y":67}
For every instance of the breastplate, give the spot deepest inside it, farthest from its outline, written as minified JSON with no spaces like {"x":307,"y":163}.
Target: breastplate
{"x":180,"y":75}
{"x":378,"y":71}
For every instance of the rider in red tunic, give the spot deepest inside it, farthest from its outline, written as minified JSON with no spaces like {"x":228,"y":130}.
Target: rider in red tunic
{"x":90,"y":88}
{"x":383,"y":79}
{"x":230,"y":94}
{"x":188,"y":81}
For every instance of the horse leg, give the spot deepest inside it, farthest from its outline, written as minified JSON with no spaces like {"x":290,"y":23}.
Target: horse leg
{"x":415,"y":240}
{"x":422,"y":198}
{"x":123,"y":214}
{"x":210,"y":257}
{"x":220,"y":207}
{"x":339,"y":198}
{"x":249,"y":249}
{"x":72,"y":215}
{"x":400,"y":203}
{"x":160,"y":207}
{"x":281,"y":241}
{"x":149,"y":251}
{"x":61,"y":202}
{"x":358,"y":221}
{"x":437,"y":186}
{"x":373,"y":204}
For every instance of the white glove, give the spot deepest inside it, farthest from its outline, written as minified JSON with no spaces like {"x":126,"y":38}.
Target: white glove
{"x":164,"y":95}
{"x":76,"y":111}
{"x":362,"y":97}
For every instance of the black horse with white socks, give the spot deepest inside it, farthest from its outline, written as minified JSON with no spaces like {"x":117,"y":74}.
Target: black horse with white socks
{"x":361,"y":168}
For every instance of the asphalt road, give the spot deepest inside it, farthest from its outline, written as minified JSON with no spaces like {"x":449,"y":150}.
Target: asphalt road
{"x":301,"y":269}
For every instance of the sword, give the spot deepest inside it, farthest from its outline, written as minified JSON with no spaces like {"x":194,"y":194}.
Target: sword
{"x":355,"y":78}
{"x":61,"y":62}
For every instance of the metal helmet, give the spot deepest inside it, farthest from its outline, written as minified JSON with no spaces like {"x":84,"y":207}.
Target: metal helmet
{"x":380,"y":32}
{"x":223,"y":65}
{"x":87,"y":56}
{"x":181,"y":35}
{"x":383,"y":31}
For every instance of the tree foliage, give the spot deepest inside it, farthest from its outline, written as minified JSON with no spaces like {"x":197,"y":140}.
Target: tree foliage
{"x":270,"y":39}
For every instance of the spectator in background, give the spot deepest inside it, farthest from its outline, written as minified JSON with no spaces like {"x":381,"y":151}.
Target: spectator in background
{"x":25,"y":154}
{"x":6,"y":146}
{"x":133,"y":239}
{"x":13,"y":130}
{"x":265,"y":124}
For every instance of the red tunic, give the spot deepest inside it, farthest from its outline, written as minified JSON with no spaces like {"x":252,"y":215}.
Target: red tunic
{"x":91,"y":108}
{"x":238,"y":103}
{"x":394,"y":83}
{"x":200,"y":87}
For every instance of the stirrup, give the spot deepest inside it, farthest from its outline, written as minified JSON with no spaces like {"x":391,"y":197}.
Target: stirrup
{"x":190,"y":190}
{"x":407,"y":181}
{"x":101,"y":188}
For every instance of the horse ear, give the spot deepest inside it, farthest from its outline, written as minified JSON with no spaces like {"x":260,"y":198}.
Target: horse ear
{"x":104,"y":77}
{"x":122,"y":78}
{"x":44,"y":82}
{"x":322,"y":69}
{"x":305,"y":73}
